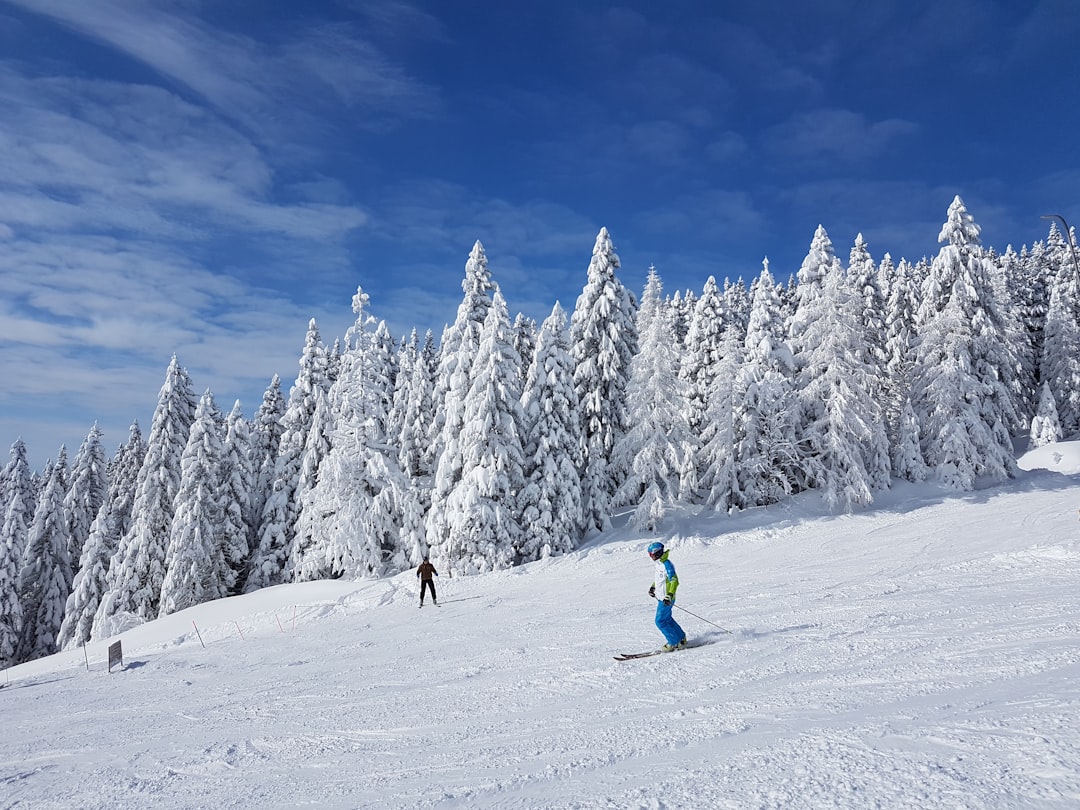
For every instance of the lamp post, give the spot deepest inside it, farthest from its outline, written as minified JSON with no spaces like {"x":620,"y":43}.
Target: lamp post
{"x":1069,"y":239}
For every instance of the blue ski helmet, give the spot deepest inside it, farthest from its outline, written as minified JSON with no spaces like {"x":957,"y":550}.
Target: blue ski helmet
{"x":656,"y":550}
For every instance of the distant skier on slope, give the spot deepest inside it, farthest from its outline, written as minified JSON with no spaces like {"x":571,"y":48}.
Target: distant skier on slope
{"x":425,"y":573}
{"x":667,"y":582}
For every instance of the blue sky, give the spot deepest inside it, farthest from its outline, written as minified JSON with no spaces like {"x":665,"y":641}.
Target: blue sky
{"x":201,"y":178}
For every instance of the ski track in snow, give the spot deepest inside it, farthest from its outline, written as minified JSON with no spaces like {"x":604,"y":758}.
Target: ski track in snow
{"x":923,"y":654}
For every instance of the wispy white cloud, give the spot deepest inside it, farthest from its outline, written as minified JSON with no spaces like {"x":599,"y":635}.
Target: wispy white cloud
{"x":836,"y":135}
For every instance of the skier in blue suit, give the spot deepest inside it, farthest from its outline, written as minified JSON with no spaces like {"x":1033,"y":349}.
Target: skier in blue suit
{"x":667,"y":582}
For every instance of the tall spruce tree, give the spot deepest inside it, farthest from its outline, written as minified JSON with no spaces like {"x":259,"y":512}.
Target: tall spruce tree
{"x":764,"y":396}
{"x":351,"y":516}
{"x":109,"y":526}
{"x":15,"y":521}
{"x":484,"y":531}
{"x":603,"y":340}
{"x":138,"y":567}
{"x":45,"y":573}
{"x":461,"y":343}
{"x":236,"y":484}
{"x":658,"y":449}
{"x":194,"y":561}
{"x":961,"y":390}
{"x":277,"y":524}
{"x":551,"y":498}
{"x":87,"y":487}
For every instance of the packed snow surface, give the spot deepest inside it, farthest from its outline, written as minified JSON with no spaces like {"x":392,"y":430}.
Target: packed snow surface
{"x":921,"y":653}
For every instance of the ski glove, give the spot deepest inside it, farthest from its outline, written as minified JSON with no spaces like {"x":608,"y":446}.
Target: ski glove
{"x":667,"y":601}
{"x":652,"y":591}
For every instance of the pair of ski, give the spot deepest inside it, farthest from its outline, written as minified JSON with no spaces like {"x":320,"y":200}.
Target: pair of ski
{"x":651,"y":653}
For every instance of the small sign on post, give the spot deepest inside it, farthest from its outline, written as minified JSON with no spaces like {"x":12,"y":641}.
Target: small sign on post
{"x":116,"y":655}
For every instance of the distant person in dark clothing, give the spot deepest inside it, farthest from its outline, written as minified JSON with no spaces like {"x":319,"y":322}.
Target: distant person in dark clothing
{"x":425,"y":573}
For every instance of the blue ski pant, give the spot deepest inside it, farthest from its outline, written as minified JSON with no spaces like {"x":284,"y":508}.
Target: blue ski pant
{"x":667,"y":625}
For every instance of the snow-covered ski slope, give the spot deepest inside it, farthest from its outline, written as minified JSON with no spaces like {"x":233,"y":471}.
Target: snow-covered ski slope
{"x":924,"y":653}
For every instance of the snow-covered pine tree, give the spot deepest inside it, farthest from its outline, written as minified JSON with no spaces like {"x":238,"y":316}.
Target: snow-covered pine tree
{"x":901,"y":306}
{"x":45,"y":572}
{"x":659,"y":447}
{"x":236,"y":484}
{"x":737,"y":300}
{"x":351,"y":517}
{"x":551,"y":498}
{"x":717,"y":461}
{"x":1060,"y":365}
{"x":413,"y":453}
{"x":460,"y":344}
{"x":316,"y":449}
{"x":701,"y":357}
{"x":1029,"y":312}
{"x":862,"y":280}
{"x":483,"y":513}
{"x":764,"y":402}
{"x":603,"y":340}
{"x":15,"y":521}
{"x":194,"y":562}
{"x":87,"y":487}
{"x":1045,"y":427}
{"x":905,"y":451}
{"x":417,"y":414}
{"x":964,"y":367}
{"x":138,"y":567}
{"x":105,"y":532}
{"x":525,"y":335}
{"x":19,"y":504}
{"x":277,"y":524}
{"x":266,"y":430}
{"x":843,"y":449}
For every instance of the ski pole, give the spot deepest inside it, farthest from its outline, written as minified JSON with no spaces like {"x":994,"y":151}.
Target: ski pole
{"x":702,"y":618}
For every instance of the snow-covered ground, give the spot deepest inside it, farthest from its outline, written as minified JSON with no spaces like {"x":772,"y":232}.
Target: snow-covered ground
{"x":924,"y":653}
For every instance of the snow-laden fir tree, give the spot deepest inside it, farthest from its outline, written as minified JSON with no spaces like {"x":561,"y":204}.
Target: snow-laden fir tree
{"x":525,"y":334}
{"x":483,"y":513}
{"x":236,"y":483}
{"x":266,"y":430}
{"x":351,"y":516}
{"x":138,"y":567}
{"x":603,"y":339}
{"x":862,"y":280}
{"x":659,"y":448}
{"x":19,"y":502}
{"x":408,"y":355}
{"x":843,"y":449}
{"x":1060,"y":365}
{"x":417,"y":408}
{"x":901,"y":306}
{"x":765,"y":402}
{"x":316,"y":449}
{"x":820,"y":262}
{"x":460,"y":344}
{"x":905,"y":450}
{"x":1029,"y":312}
{"x":277,"y":524}
{"x":701,"y":357}
{"x":961,"y":388}
{"x":1045,"y":427}
{"x":194,"y":562}
{"x":110,"y":524}
{"x":551,"y":498}
{"x":737,"y":301}
{"x":417,"y":411}
{"x":87,"y":487}
{"x":15,"y":521}
{"x":717,"y":460}
{"x":45,"y":572}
